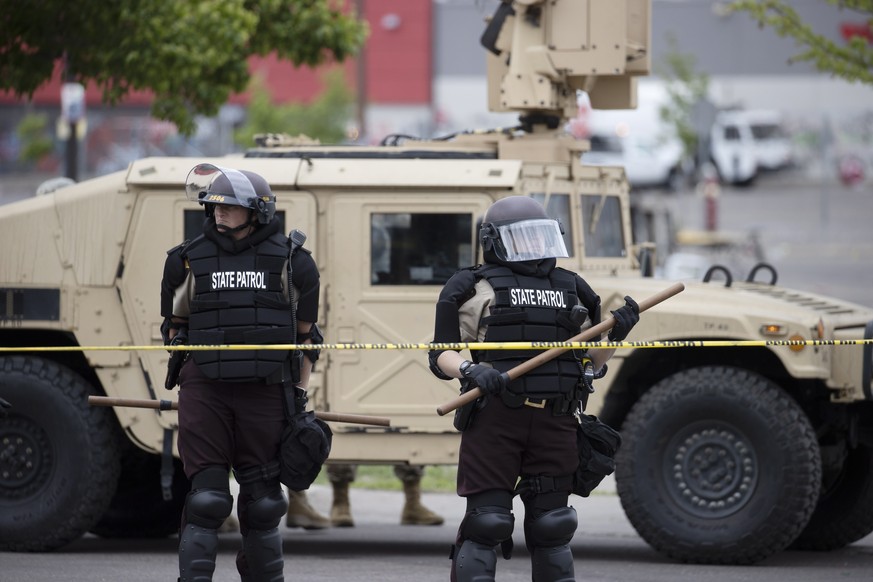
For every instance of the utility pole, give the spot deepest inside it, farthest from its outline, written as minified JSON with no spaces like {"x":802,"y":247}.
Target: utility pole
{"x":361,"y":74}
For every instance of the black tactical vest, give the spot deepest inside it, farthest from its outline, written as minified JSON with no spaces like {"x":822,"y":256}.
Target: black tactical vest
{"x":532,"y":309}
{"x":238,"y":299}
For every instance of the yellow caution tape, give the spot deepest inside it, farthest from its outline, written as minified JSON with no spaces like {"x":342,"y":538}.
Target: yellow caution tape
{"x":458,"y":345}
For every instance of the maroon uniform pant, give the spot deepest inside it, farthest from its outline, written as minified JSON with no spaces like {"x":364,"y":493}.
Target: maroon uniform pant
{"x":228,"y":424}
{"x":504,"y":443}
{"x":231,"y":424}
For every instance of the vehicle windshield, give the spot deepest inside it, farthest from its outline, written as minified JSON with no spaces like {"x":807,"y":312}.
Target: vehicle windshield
{"x":601,"y":217}
{"x":767,"y":131}
{"x":606,"y":143}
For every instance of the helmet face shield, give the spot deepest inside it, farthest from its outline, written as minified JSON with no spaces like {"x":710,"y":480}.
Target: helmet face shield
{"x":530,"y":240}
{"x":205,"y":185}
{"x":209,"y":185}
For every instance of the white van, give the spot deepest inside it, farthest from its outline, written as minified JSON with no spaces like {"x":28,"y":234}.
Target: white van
{"x":771,"y":143}
{"x":732,"y":148}
{"x":744,"y":142}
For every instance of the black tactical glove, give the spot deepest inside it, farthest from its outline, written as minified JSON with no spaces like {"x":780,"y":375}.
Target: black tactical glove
{"x":3,"y":406}
{"x":488,"y":379}
{"x":177,"y":359}
{"x":626,"y":317}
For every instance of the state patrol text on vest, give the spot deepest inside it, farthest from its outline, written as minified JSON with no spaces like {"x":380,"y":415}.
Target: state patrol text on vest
{"x":537,"y":298}
{"x":239,"y":280}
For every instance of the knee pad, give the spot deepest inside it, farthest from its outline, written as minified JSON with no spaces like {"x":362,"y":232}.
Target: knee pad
{"x":548,"y":538}
{"x":266,"y":512}
{"x":261,"y":491}
{"x":487,"y":525}
{"x":553,"y":528}
{"x":209,"y":501}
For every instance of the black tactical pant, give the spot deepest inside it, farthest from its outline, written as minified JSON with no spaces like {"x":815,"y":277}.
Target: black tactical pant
{"x":504,"y":443}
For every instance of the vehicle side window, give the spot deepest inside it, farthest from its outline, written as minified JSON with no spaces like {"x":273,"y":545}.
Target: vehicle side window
{"x":602,"y":226}
{"x":418,"y":248}
{"x":731,"y":133}
{"x":194,"y":223}
{"x":559,"y":207}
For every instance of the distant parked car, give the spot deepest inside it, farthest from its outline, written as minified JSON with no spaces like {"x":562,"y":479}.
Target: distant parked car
{"x":648,"y":164}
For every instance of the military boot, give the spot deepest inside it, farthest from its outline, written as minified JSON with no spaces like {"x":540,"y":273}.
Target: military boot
{"x":414,"y":513}
{"x":341,"y":511}
{"x":302,"y":514}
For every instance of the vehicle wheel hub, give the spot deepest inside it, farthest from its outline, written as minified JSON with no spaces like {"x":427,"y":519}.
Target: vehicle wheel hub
{"x":25,"y":457}
{"x":710,"y":471}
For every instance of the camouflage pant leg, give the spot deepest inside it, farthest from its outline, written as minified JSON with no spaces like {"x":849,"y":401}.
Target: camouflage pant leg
{"x":409,"y":473}
{"x":341,"y":473}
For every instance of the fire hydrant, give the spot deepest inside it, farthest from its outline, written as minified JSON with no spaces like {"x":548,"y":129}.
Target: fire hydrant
{"x":711,"y":190}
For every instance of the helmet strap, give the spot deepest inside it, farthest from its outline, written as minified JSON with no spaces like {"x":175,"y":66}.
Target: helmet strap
{"x":227,"y":231}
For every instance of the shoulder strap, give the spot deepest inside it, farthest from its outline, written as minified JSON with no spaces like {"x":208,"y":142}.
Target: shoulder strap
{"x":294,"y":402}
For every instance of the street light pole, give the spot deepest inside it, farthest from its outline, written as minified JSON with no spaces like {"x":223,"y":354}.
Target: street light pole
{"x":72,"y":112}
{"x":71,"y":151}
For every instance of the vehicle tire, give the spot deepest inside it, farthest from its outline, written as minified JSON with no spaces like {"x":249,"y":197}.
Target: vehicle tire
{"x":59,"y":462}
{"x":844,"y":513}
{"x":719,"y":466}
{"x":138,"y":509}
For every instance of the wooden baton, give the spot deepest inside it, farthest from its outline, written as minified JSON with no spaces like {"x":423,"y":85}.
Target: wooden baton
{"x":173,"y":405}
{"x":541,"y":358}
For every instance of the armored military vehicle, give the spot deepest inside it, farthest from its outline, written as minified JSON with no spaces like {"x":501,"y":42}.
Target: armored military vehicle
{"x":730,"y":453}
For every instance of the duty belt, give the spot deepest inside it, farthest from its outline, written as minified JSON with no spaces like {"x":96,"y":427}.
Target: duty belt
{"x":558,"y":405}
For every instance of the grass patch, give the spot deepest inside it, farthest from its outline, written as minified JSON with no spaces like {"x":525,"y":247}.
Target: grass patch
{"x":437,"y":478}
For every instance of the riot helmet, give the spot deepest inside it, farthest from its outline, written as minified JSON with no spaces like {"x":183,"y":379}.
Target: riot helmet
{"x":518,"y":229}
{"x":210,"y":185}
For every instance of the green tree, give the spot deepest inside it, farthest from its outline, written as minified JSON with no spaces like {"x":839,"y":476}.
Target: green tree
{"x":324,"y":119}
{"x":192,"y":54}
{"x":685,"y":87}
{"x":852,"y":61}
{"x":33,"y":135}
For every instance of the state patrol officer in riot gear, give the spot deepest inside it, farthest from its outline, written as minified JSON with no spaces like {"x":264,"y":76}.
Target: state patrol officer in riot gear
{"x":527,"y":429}
{"x":230,"y":286}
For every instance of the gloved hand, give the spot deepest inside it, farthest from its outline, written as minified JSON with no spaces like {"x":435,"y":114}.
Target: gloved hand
{"x":626,"y":317}
{"x":488,"y":379}
{"x":181,"y":337}
{"x":3,"y":406}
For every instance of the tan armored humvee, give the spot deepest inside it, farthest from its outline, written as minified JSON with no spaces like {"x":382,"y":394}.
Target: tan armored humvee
{"x":729,"y":454}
